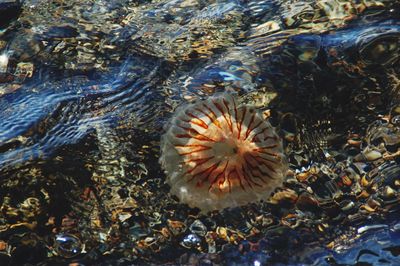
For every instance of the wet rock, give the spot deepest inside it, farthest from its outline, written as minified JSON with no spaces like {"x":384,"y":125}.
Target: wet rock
{"x":307,"y":202}
{"x":27,"y":249}
{"x":326,"y":193}
{"x":396,"y":227}
{"x":371,"y":154}
{"x":9,"y":10}
{"x":367,"y":228}
{"x":176,"y":227}
{"x":24,"y":70}
{"x":347,"y":205}
{"x":3,"y":63}
{"x":197,"y":227}
{"x":67,"y":245}
{"x":202,"y":259}
{"x":191,"y":241}
{"x":389,"y":192}
{"x":61,"y":32}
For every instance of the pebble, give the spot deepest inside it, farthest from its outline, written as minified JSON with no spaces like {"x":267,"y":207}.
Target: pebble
{"x":68,"y":245}
{"x":372,"y":155}
{"x":367,"y":228}
{"x":191,"y":241}
{"x":396,"y":227}
{"x":197,"y":227}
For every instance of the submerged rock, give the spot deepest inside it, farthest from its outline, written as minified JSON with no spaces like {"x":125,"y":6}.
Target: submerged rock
{"x":9,"y":11}
{"x":87,"y":87}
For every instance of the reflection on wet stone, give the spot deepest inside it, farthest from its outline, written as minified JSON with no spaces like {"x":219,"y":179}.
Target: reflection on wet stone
{"x":67,"y":246}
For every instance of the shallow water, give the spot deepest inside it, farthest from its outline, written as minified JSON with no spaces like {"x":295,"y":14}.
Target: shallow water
{"x":87,"y":88}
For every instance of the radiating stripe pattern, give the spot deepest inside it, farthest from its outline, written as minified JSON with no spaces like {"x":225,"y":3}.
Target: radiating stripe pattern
{"x":217,"y":154}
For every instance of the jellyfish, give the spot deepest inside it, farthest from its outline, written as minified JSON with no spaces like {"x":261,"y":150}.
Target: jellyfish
{"x":217,"y":153}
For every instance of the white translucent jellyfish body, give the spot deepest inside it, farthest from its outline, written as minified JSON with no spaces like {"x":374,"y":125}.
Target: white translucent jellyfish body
{"x":217,"y":154}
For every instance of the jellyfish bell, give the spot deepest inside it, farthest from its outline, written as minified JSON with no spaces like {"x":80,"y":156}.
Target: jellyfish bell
{"x":218,"y":154}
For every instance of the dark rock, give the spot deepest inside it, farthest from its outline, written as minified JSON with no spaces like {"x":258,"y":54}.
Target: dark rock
{"x":9,"y":10}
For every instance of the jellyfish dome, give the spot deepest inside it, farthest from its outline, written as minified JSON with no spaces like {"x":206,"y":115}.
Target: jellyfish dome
{"x":218,"y":154}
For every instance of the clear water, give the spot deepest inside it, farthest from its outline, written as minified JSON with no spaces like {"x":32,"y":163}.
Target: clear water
{"x":87,"y":89}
